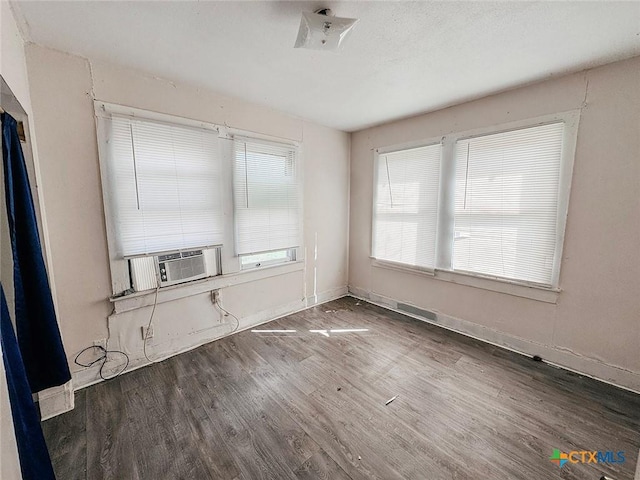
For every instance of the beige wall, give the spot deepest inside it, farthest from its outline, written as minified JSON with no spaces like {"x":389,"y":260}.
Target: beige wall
{"x":594,"y":326}
{"x":63,"y":88}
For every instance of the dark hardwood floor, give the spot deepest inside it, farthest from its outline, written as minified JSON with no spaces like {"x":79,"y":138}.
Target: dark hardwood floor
{"x":304,"y":404}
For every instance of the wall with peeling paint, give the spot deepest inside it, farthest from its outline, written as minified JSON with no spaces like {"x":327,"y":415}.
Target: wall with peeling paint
{"x":63,"y":88}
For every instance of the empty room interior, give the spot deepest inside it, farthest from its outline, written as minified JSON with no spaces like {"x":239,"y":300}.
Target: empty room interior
{"x":320,"y":240}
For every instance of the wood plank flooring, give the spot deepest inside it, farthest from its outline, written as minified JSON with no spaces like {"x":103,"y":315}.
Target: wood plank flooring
{"x":311,"y":405}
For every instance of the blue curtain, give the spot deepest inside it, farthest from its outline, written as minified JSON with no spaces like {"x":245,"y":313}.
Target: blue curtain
{"x":35,"y":463}
{"x":37,"y":330}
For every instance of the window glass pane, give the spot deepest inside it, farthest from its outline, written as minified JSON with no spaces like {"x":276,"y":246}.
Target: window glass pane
{"x":267,"y":258}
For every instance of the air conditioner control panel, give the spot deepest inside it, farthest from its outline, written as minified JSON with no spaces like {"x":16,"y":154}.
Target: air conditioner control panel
{"x":163,"y":272}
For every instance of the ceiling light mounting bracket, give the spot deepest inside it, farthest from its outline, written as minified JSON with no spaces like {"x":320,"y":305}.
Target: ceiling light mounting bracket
{"x":327,"y":12}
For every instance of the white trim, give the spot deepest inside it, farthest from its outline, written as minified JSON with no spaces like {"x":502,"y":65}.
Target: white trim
{"x":247,"y":137}
{"x":572,"y":121}
{"x":402,"y":267}
{"x":230,"y":262}
{"x":291,"y":257}
{"x":372,"y":236}
{"x":326,"y":296}
{"x":398,"y":147}
{"x":105,"y":110}
{"x":118,"y":267}
{"x":510,"y":287}
{"x":56,"y":400}
{"x":516,"y":288}
{"x":553,"y":355}
{"x":167,"y":294}
{"x":231,"y":132}
{"x":569,"y":117}
{"x":445,"y":227}
{"x":300,"y":250}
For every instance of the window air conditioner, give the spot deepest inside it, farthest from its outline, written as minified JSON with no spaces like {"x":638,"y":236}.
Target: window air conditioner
{"x":180,"y":267}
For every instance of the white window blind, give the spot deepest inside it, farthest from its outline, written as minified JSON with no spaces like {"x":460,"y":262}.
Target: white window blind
{"x":406,"y":207}
{"x":267,"y":198}
{"x":164,"y":185}
{"x":506,"y":203}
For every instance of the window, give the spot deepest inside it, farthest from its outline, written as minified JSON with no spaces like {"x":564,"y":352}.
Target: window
{"x":266,"y":194}
{"x":169,"y":187}
{"x":406,"y":206}
{"x":163,"y":186}
{"x":267,"y":258}
{"x":491,"y":204}
{"x":506,"y":203}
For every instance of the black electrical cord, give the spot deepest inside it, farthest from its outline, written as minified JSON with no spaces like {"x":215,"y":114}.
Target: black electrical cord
{"x":102,"y":358}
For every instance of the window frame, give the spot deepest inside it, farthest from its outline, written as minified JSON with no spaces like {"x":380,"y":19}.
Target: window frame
{"x":446,"y":201}
{"x":228,"y":263}
{"x":233,"y":134}
{"x":378,"y":153}
{"x":121,"y":281}
{"x":290,"y":257}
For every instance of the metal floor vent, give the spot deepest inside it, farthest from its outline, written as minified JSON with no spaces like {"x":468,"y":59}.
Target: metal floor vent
{"x":417,"y":311}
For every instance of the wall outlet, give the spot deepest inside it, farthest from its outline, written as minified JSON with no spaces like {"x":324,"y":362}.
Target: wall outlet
{"x":102,"y":342}
{"x":215,"y":296}
{"x":144,"y":332}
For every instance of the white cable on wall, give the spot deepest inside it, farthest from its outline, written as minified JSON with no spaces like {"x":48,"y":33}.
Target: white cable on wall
{"x":216,"y":302}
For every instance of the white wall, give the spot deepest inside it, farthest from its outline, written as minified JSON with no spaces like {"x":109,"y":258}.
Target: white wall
{"x":63,"y":88}
{"x":593,"y":325}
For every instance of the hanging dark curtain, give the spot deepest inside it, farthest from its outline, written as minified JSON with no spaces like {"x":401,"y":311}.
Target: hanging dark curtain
{"x":36,"y":326}
{"x":35,"y":463}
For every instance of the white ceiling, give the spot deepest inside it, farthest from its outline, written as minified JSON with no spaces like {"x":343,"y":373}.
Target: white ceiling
{"x":403,"y":58}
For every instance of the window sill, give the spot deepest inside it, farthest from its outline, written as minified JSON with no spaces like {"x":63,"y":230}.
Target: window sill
{"x":402,"y":267}
{"x":167,"y":294}
{"x":509,"y":287}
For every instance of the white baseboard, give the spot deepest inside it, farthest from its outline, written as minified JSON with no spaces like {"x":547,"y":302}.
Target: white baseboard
{"x":553,"y":355}
{"x":56,"y":400}
{"x":327,"y":296}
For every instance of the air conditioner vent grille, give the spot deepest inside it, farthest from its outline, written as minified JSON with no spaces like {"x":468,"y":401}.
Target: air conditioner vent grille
{"x":185,"y":268}
{"x":181,"y":267}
